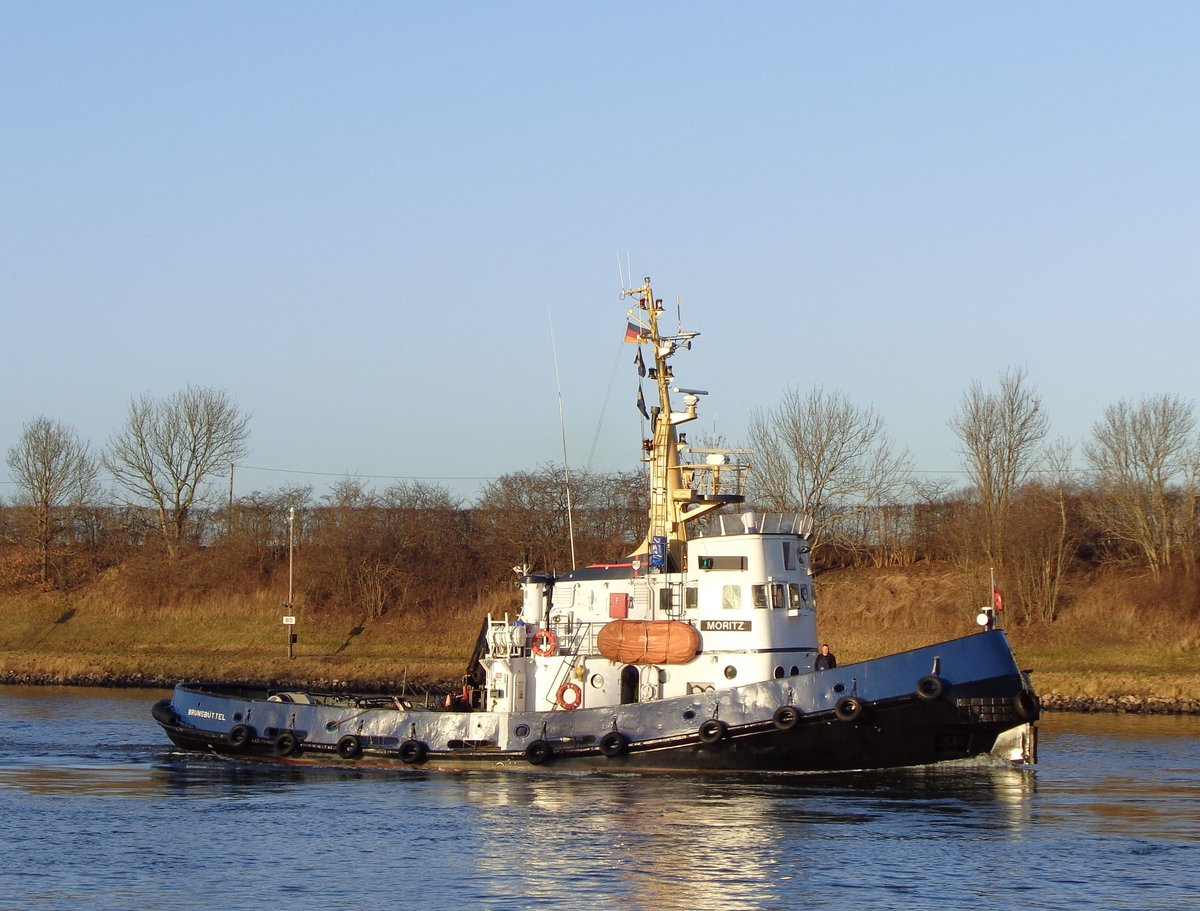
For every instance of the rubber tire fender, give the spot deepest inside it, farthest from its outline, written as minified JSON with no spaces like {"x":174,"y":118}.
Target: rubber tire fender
{"x":240,"y":736}
{"x":539,"y":752}
{"x":164,"y":713}
{"x":1026,"y":704}
{"x":712,"y":731}
{"x":786,"y":717}
{"x":286,"y":744}
{"x":413,"y":752}
{"x":613,"y":744}
{"x":349,"y":747}
{"x":848,"y":708}
{"x":930,"y":687}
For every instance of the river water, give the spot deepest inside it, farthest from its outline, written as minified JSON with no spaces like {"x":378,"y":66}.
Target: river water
{"x":98,"y":812}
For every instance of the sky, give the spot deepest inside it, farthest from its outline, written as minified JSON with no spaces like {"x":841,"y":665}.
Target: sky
{"x":394,"y":233}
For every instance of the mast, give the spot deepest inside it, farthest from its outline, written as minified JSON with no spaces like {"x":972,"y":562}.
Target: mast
{"x":679,"y":492}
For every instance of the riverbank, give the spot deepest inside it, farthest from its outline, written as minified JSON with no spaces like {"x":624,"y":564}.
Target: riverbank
{"x":1118,"y":646}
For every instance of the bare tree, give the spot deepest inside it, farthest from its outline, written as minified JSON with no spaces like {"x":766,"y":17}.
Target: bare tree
{"x":170,"y":448}
{"x":820,"y":454}
{"x":523,"y":517}
{"x":1000,"y":434}
{"x":56,"y":473}
{"x":1046,"y":528}
{"x":1144,"y":457}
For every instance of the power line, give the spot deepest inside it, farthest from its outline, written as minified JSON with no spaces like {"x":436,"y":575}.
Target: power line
{"x":371,"y":477}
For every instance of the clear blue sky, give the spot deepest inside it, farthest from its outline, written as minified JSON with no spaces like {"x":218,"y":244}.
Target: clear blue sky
{"x":360,"y":219}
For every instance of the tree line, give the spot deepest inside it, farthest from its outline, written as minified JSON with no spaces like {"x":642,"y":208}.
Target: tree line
{"x":1025,"y":514}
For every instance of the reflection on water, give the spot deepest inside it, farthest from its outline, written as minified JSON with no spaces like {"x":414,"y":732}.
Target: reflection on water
{"x":100,"y":813}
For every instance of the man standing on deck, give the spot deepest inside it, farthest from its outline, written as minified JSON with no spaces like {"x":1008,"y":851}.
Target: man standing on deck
{"x":825,"y":660}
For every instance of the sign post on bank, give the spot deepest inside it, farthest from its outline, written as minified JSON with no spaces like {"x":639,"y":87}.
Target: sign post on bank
{"x":289,"y":619}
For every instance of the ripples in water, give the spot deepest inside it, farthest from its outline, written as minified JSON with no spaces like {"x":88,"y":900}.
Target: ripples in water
{"x":98,"y":812}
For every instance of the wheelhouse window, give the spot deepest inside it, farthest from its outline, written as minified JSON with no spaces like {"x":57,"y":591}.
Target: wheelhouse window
{"x":691,"y":597}
{"x":731,"y":597}
{"x":779,"y":595}
{"x":759,"y":594}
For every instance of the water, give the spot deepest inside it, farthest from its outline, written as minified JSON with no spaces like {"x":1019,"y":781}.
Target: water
{"x":97,"y":812}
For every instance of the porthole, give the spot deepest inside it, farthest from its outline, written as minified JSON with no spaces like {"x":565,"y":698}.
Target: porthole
{"x":521,"y":730}
{"x":689,"y":714}
{"x":795,"y":670}
{"x":597,"y":681}
{"x":730,"y":672}
{"x":779,"y":672}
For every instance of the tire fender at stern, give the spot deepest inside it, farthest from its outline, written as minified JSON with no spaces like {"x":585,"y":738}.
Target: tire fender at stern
{"x":240,"y":736}
{"x":930,"y":687}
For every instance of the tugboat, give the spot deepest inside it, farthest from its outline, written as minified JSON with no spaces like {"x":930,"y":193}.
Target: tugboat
{"x":697,"y":652}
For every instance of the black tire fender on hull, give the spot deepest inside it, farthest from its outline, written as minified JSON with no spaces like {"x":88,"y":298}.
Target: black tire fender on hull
{"x":240,"y":736}
{"x":786,"y":717}
{"x":286,"y":744}
{"x":413,"y":752}
{"x":350,"y":747}
{"x":848,"y":708}
{"x":614,"y":744}
{"x":930,"y":687}
{"x":1026,"y":705}
{"x":539,"y":752}
{"x":164,"y":713}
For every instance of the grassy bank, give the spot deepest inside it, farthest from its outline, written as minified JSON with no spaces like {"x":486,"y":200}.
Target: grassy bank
{"x":1117,"y":637}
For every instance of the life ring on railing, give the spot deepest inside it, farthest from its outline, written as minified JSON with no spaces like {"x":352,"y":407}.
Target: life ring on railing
{"x":569,"y":696}
{"x":545,"y":643}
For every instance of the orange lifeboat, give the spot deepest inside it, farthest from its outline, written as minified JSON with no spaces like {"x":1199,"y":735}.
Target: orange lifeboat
{"x":648,"y":641}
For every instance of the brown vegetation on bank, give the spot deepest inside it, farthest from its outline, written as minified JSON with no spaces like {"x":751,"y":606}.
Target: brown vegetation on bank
{"x":390,"y":588}
{"x":1122,"y":641}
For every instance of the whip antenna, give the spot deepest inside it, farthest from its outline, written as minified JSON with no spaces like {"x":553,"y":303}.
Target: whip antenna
{"x":562,"y":426}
